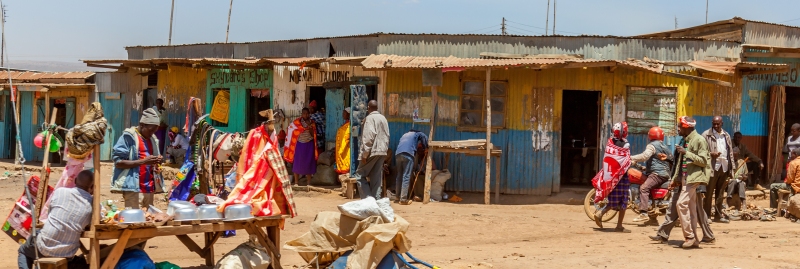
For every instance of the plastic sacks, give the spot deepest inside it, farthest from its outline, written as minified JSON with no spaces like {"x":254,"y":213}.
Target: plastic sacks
{"x":135,"y":259}
{"x":368,"y":207}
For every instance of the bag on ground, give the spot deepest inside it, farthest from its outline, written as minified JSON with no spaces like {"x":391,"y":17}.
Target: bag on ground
{"x":385,"y":206}
{"x":361,"y":209}
{"x":794,"y":206}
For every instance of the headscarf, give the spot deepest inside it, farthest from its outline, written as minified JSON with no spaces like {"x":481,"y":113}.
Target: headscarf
{"x":150,"y":116}
{"x":313,"y":104}
{"x":687,"y":123}
{"x":620,"y":130}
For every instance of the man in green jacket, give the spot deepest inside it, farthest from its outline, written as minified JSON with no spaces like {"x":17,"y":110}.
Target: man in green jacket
{"x":691,"y":172}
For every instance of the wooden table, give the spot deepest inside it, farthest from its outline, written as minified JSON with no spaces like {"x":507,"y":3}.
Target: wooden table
{"x":472,"y":147}
{"x":266,"y":229}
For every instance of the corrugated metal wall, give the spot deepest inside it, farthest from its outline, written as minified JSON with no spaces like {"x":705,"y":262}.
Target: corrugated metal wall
{"x":772,"y":35}
{"x":531,"y":140}
{"x":176,"y":85}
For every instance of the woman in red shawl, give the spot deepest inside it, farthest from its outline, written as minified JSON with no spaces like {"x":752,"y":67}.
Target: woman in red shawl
{"x":612,"y":182}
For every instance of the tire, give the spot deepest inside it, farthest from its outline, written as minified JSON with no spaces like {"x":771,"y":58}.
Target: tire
{"x":589,"y":208}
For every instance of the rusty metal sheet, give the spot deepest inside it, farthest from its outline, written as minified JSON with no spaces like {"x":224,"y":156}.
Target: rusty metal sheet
{"x":384,"y":61}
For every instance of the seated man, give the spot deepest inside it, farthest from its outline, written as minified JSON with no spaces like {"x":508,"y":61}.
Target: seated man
{"x":70,"y":213}
{"x":177,"y":150}
{"x":739,"y":181}
{"x":792,"y":181}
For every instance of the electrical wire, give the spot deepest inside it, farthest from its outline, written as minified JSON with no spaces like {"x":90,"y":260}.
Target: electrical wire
{"x":493,"y":26}
{"x":490,"y":31}
{"x":522,"y":24}
{"x":790,"y":20}
{"x":510,"y":26}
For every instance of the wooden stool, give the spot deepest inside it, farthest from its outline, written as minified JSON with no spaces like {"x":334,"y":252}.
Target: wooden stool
{"x":350,"y":186}
{"x":52,"y":263}
{"x":783,"y":201}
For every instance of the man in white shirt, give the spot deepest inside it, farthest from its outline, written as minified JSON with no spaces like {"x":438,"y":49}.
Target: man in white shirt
{"x":178,"y":147}
{"x":722,"y":165}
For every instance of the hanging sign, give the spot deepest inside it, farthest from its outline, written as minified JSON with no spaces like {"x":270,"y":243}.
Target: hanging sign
{"x":220,"y":109}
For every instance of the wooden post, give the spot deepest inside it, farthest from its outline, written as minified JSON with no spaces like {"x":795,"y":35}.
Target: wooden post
{"x":488,"y":174}
{"x":94,"y":246}
{"x":497,"y":179}
{"x":44,"y":175}
{"x":434,"y":98}
{"x":426,"y":197}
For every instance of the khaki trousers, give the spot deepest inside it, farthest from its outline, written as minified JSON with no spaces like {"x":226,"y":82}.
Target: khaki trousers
{"x":687,"y":209}
{"x":136,"y":200}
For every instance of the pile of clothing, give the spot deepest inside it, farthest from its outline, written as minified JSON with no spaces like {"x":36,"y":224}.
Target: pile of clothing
{"x":82,"y":138}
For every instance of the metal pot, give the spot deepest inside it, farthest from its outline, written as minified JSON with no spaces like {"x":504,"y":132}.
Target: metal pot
{"x":185,"y":214}
{"x":131,"y":216}
{"x":238,"y":212}
{"x":175,"y":205}
{"x":208,"y":212}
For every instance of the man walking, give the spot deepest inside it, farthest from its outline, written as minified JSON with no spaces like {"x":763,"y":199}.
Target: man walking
{"x":136,"y":158}
{"x":372,"y":152}
{"x":693,"y":158}
{"x":404,"y":160}
{"x":721,"y":152}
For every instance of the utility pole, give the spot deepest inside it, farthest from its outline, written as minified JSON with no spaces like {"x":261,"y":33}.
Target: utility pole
{"x":229,"y":22}
{"x":503,"y":27}
{"x":171,"y":13}
{"x":676,"y":22}
{"x":706,"y":11}
{"x":3,"y":43}
{"x":547,"y":18}
{"x":554,"y":17}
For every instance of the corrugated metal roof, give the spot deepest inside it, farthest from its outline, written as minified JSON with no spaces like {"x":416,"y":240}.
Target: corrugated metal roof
{"x":734,"y":20}
{"x":378,"y":34}
{"x":30,"y":76}
{"x":384,"y":61}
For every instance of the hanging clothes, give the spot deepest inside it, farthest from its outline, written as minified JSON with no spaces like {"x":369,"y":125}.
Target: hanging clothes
{"x":343,"y":149}
{"x":261,"y":177}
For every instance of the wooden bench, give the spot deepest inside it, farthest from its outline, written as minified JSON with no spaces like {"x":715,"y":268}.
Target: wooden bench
{"x":350,"y":188}
{"x":52,"y":263}
{"x":783,"y":201}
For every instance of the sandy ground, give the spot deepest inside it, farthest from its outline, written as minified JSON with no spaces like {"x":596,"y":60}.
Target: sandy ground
{"x":553,"y":233}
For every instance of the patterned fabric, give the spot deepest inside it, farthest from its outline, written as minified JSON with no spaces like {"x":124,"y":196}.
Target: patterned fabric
{"x":145,"y":174}
{"x":289,"y":147}
{"x":70,"y":213}
{"x":616,"y":162}
{"x":319,"y":119}
{"x":307,"y":135}
{"x":619,"y":196}
{"x":343,"y":149}
{"x":261,"y":177}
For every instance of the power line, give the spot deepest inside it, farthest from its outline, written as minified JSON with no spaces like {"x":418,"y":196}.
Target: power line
{"x":493,"y":26}
{"x":486,"y":32}
{"x":511,"y":26}
{"x":790,"y":20}
{"x":522,"y":24}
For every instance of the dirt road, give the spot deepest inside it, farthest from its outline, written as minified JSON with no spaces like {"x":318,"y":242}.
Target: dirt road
{"x":472,"y":235}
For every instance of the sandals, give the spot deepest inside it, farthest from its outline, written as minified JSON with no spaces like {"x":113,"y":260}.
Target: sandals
{"x":622,"y":230}
{"x":598,"y":218}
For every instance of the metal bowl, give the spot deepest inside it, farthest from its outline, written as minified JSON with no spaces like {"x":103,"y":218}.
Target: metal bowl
{"x":185,"y":214}
{"x":208,"y":212}
{"x":238,"y":212}
{"x":175,"y":205}
{"x":131,"y":216}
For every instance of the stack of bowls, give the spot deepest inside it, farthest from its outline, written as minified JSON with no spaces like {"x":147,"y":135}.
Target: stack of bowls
{"x":175,"y":205}
{"x":185,"y":214}
{"x":208,"y":212}
{"x":238,"y":212}
{"x":129,"y":216}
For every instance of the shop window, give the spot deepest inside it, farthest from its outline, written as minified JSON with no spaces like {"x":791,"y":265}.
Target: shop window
{"x":651,"y":106}
{"x":258,"y":100}
{"x":472,"y":112}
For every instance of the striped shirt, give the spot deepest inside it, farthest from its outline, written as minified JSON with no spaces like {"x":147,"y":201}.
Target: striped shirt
{"x":70,"y":213}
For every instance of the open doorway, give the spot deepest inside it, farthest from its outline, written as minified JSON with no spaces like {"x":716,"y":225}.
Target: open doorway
{"x":792,"y":109}
{"x":580,"y":135}
{"x":258,"y":100}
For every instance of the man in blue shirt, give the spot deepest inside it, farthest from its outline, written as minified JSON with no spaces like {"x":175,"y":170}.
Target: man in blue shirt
{"x":407,"y":148}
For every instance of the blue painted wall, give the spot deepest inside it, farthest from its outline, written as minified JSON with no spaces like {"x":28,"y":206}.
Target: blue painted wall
{"x":116,"y":122}
{"x":755,"y":94}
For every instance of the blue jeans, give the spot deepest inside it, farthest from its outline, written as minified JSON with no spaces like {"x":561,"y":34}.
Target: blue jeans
{"x":26,"y":254}
{"x":405,"y":167}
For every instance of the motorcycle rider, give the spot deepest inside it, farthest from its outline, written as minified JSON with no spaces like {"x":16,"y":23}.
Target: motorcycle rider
{"x":657,"y":158}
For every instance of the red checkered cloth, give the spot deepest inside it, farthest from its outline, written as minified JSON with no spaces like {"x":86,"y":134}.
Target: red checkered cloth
{"x":616,"y":162}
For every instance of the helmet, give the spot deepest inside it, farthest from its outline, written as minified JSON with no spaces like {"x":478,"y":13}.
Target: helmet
{"x":656,"y":133}
{"x":620,"y":130}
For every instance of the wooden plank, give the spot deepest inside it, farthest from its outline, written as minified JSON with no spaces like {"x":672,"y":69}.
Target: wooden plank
{"x":497,"y":180}
{"x":487,"y":173}
{"x":426,"y":194}
{"x":274,"y":234}
{"x":186,"y":229}
{"x":104,"y":252}
{"x":189,"y":243}
{"x":770,"y":55}
{"x":208,"y":251}
{"x":44,"y":176}
{"x":471,"y":152}
{"x":698,"y":79}
{"x":116,"y":252}
{"x":768,"y":71}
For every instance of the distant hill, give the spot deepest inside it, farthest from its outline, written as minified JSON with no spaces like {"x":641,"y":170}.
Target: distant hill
{"x":52,"y":66}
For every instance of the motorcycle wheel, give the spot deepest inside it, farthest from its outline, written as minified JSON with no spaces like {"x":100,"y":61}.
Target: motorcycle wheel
{"x":589,"y":207}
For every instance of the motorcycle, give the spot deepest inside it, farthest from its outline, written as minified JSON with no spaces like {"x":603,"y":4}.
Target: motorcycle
{"x":659,"y":197}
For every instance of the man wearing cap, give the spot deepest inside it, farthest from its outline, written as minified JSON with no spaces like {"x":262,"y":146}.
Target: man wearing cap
{"x":692,"y":171}
{"x":177,"y":150}
{"x":136,"y":158}
{"x":319,"y":119}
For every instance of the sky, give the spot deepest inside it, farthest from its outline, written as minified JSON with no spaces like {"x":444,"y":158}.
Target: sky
{"x":67,"y":31}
